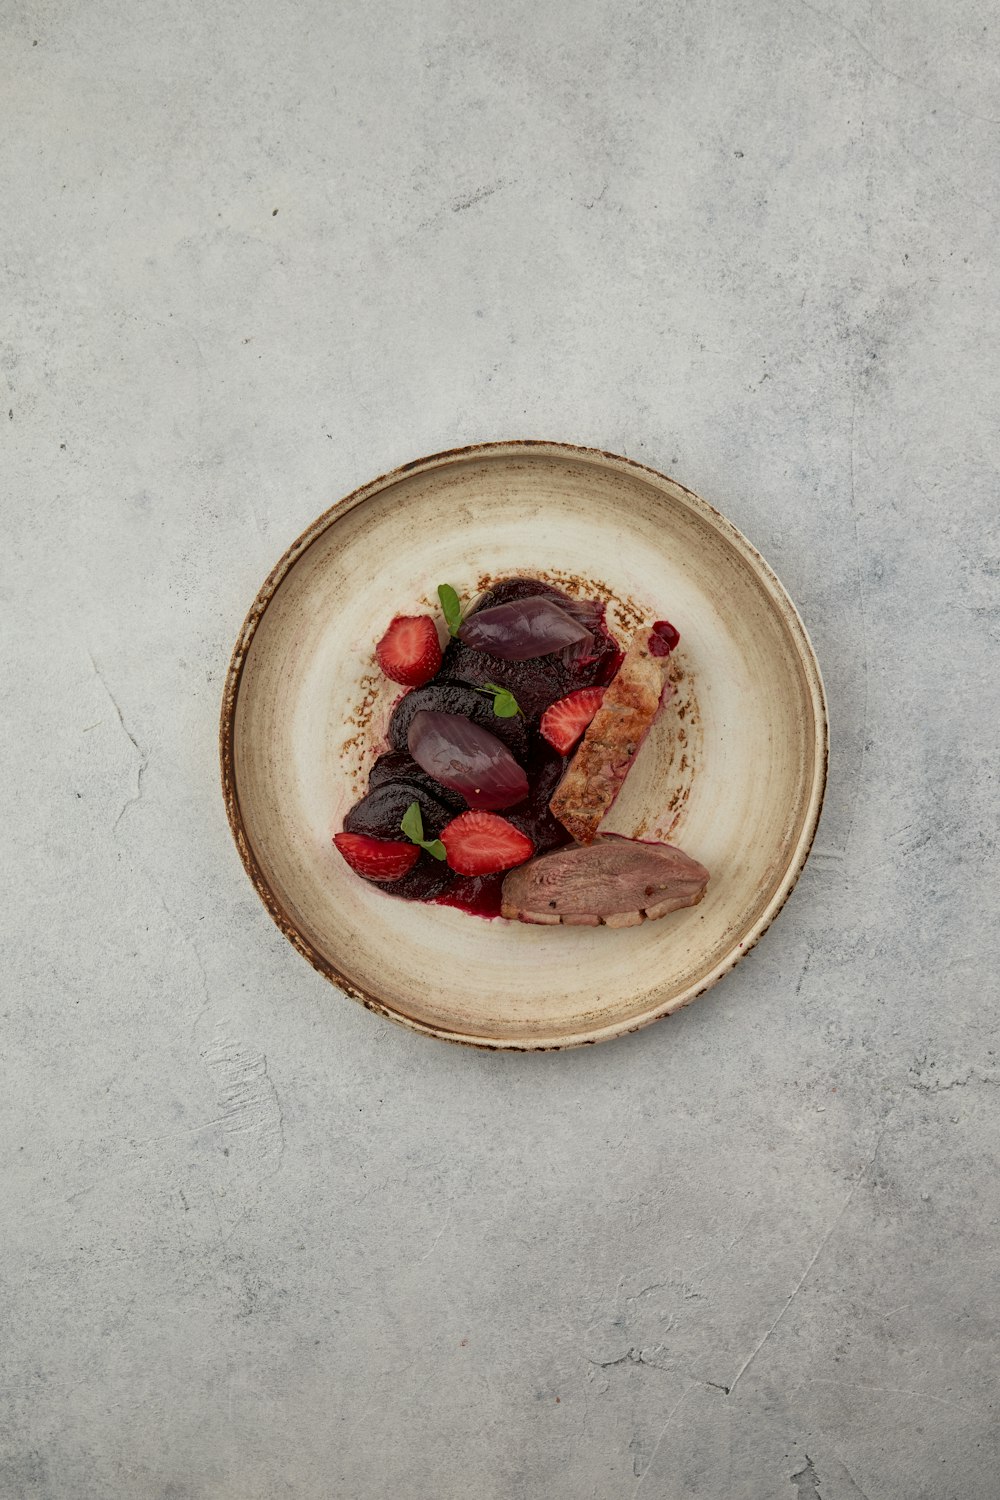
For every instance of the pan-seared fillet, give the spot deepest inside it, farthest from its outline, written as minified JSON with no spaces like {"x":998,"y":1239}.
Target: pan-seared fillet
{"x":631,"y":702}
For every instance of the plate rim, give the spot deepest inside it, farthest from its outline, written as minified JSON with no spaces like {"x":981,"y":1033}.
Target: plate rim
{"x":234,"y":677}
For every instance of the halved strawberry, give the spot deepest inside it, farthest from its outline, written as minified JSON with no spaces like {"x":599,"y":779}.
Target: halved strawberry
{"x":564,"y":722}
{"x":377,"y":859}
{"x":480,"y":843}
{"x":410,"y":651}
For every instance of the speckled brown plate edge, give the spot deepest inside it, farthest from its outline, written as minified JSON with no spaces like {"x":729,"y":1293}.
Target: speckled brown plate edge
{"x":505,"y":449}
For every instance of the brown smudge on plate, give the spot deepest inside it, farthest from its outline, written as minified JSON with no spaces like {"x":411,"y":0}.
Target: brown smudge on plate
{"x":377,"y":697}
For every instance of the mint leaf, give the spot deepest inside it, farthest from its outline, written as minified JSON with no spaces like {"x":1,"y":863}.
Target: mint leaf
{"x":505,"y":705}
{"x":412,"y":824}
{"x":451,"y":608}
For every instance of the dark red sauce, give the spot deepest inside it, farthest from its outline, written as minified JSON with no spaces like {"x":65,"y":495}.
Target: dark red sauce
{"x":479,"y":895}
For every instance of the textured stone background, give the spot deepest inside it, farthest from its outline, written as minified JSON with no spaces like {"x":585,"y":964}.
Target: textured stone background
{"x":258,"y":1243}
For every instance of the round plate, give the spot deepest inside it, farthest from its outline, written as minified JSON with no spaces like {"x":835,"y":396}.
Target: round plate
{"x":733,"y":772}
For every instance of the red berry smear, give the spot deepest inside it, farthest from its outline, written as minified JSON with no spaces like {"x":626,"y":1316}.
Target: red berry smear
{"x":477,"y":895}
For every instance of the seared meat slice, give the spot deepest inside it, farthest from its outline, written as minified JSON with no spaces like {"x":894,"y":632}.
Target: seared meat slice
{"x":631,"y":702}
{"x":615,"y":881}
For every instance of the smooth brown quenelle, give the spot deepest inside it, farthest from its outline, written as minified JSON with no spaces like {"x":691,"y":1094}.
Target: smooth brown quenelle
{"x":614,"y":882}
{"x":733,"y":770}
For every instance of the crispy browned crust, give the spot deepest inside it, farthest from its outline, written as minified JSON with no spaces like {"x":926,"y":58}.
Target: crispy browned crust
{"x":595,"y":775}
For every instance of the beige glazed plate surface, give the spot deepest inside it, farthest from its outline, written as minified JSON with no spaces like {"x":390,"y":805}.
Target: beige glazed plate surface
{"x":733,"y":773}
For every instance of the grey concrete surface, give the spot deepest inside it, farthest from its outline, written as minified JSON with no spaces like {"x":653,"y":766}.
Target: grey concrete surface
{"x":256,"y":1242}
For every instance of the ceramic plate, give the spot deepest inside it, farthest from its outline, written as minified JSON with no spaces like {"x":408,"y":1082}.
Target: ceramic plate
{"x":733,"y":773}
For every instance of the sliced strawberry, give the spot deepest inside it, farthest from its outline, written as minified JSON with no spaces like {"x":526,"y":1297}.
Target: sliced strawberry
{"x":377,"y":859}
{"x":480,"y":843}
{"x":564,"y":722}
{"x":410,"y":651}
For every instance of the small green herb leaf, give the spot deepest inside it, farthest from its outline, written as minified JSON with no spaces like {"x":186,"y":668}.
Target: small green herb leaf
{"x":412,"y":825}
{"x":505,"y":705}
{"x":451,"y":607}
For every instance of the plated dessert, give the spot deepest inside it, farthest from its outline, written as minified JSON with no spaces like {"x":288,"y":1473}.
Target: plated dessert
{"x":733,"y":770}
{"x":522,"y":718}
